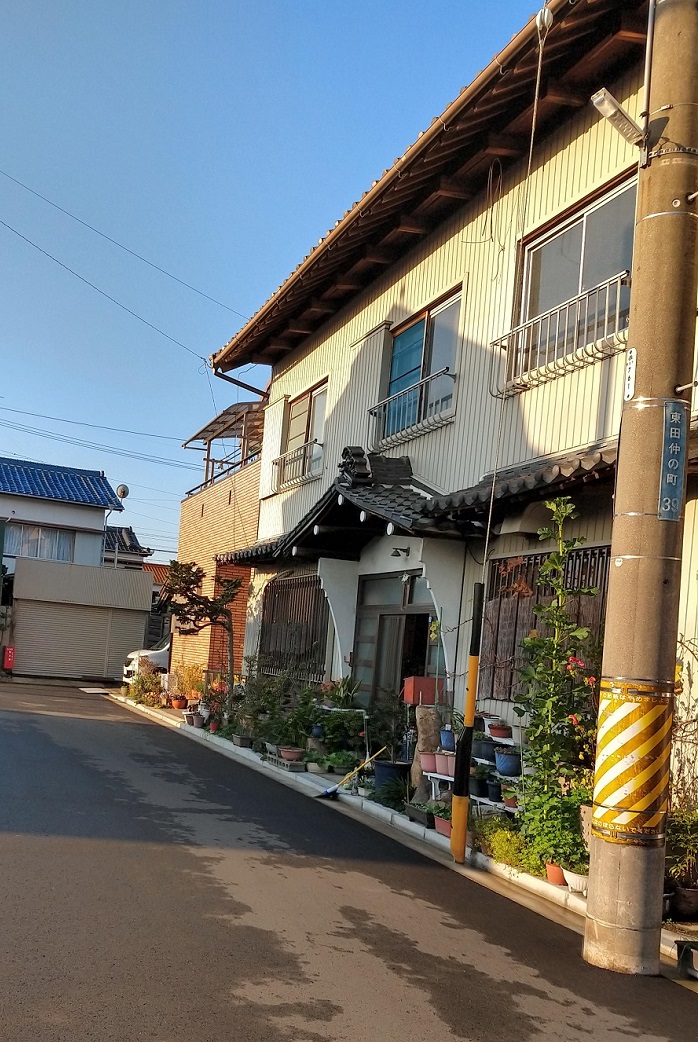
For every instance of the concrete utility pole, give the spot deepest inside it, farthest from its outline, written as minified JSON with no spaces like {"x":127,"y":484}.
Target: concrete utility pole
{"x":636,"y":705}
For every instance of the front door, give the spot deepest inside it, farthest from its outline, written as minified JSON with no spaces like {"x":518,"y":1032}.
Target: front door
{"x":393,"y":637}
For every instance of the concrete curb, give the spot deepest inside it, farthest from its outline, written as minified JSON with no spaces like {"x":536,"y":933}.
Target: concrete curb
{"x":390,"y":823}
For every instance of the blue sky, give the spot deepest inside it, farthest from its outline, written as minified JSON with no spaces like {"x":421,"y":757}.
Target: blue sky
{"x":220,"y":140}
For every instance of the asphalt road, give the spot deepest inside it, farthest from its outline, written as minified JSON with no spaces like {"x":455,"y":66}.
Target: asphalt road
{"x":151,"y":889}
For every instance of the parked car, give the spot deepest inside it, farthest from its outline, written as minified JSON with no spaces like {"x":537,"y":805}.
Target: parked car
{"x":158,"y":655}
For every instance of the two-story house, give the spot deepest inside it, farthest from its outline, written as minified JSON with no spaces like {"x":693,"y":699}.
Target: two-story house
{"x":456,"y":345}
{"x":218,"y":516}
{"x":65,"y":612}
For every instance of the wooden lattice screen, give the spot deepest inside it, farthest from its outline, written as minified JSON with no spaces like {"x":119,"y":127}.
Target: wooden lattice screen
{"x":509,"y":617}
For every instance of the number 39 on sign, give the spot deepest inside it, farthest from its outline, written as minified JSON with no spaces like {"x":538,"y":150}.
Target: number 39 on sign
{"x":671,"y":482}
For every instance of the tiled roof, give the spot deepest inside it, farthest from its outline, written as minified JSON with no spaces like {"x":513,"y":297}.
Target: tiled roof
{"x":62,"y":484}
{"x":258,"y":552}
{"x":158,"y":572}
{"x":125,"y":539}
{"x":551,"y":473}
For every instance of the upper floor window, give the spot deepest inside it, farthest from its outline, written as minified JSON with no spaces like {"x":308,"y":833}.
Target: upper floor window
{"x":588,"y":251}
{"x":49,"y":544}
{"x":576,"y":292}
{"x":305,"y":432}
{"x":421,"y":376}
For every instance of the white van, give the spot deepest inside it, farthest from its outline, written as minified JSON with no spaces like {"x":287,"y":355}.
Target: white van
{"x":159,"y":656}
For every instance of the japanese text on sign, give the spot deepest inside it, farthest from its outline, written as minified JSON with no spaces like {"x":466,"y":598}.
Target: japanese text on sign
{"x":671,"y":483}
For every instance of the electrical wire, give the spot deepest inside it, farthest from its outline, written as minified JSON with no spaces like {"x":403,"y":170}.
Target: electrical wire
{"x":95,"y":426}
{"x":121,"y":246}
{"x":103,"y":293}
{"x":112,"y":449}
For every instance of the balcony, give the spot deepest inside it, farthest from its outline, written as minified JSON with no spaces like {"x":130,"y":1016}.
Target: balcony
{"x":573,"y":335}
{"x":409,"y":413}
{"x":301,"y":464}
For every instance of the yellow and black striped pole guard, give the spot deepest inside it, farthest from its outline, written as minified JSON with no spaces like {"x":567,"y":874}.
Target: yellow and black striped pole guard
{"x":631,"y":783}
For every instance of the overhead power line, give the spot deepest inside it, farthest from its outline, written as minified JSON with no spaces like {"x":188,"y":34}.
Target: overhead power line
{"x":103,"y":293}
{"x":95,"y":426}
{"x":121,"y":246}
{"x":111,"y":449}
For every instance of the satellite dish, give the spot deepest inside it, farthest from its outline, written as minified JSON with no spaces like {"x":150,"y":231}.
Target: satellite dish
{"x":122,"y":491}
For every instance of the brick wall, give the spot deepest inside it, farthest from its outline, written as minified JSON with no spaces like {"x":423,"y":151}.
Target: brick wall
{"x":218,"y":651}
{"x":220,"y":518}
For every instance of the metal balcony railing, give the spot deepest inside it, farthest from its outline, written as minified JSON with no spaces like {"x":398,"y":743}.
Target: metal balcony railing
{"x":571,"y":336}
{"x":300,"y":464}
{"x":409,"y":413}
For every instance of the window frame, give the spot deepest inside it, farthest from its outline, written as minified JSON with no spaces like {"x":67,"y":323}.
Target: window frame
{"x":40,"y":541}
{"x":540,"y":238}
{"x":311,"y":462}
{"x":426,"y":315}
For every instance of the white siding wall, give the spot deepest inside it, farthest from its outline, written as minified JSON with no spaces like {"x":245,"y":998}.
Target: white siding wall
{"x":63,"y":515}
{"x":476,"y":248}
{"x":78,"y":584}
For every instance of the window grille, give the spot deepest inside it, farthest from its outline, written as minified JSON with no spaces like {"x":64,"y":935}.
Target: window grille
{"x":295,"y":617}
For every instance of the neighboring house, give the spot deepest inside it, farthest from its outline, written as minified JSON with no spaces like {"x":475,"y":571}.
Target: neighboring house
{"x":461,"y":319}
{"x":159,"y":618}
{"x":122,"y":548}
{"x":217,"y":517}
{"x":69,"y":616}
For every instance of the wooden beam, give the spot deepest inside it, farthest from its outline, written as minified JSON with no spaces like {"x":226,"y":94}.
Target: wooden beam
{"x":632,"y":29}
{"x":411,"y":226}
{"x":344,"y":285}
{"x":451,"y":188}
{"x":321,"y":307}
{"x":297,"y":328}
{"x":503,"y":145}
{"x":557,"y":94}
{"x":376,"y":256}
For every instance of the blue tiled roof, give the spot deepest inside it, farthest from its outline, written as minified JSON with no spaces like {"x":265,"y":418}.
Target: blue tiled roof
{"x":64,"y":484}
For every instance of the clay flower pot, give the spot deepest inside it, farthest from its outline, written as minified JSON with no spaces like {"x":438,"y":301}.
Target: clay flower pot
{"x":554,"y":874}
{"x":290,"y":752}
{"x":179,"y":703}
{"x":213,"y":726}
{"x":442,"y":826}
{"x":428,"y":762}
{"x":451,"y":764}
{"x":499,"y":731}
{"x":441,"y":764}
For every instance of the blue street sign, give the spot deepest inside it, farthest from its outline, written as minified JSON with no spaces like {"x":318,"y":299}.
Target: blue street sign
{"x":671,"y":484}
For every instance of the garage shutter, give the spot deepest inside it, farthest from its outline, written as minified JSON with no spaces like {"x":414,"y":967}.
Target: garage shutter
{"x":126,"y":634}
{"x":60,"y":640}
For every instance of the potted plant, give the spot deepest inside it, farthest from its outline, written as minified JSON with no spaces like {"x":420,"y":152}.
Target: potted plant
{"x":498,"y":729}
{"x":421,"y":814}
{"x":510,"y":798}
{"x":508,"y":761}
{"x":394,"y":794}
{"x":477,"y":782}
{"x":682,"y":861}
{"x":483,"y":747}
{"x":315,"y":762}
{"x":442,"y":820}
{"x":494,"y":789}
{"x":387,"y":726}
